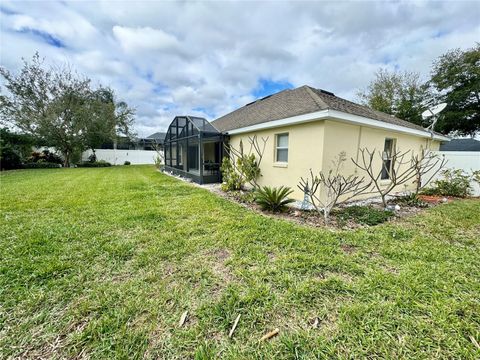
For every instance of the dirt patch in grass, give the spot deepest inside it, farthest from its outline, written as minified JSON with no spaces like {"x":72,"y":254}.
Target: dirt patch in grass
{"x":222,"y":272}
{"x":328,"y":275}
{"x":390,"y":269}
{"x":271,"y":256}
{"x":48,"y":350}
{"x":220,"y":254}
{"x":348,"y":249}
{"x":216,"y":261}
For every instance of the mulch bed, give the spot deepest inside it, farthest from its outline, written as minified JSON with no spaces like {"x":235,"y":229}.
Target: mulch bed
{"x":313,"y":219}
{"x":435,"y":199}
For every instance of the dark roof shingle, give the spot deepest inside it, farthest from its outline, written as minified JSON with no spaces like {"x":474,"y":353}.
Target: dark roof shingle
{"x":159,"y":137}
{"x":299,"y":101}
{"x":461,"y":145}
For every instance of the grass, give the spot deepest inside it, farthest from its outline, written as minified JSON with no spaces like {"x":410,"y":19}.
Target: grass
{"x":101,"y":263}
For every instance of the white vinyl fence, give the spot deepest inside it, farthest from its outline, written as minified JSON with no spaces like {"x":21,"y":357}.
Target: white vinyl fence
{"x":118,"y":157}
{"x":468,"y":161}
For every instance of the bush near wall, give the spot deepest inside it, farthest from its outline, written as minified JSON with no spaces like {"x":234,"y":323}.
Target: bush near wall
{"x":45,"y":156}
{"x":9,"y":158}
{"x":41,"y":165}
{"x":100,"y":163}
{"x":14,"y":149}
{"x":453,"y":183}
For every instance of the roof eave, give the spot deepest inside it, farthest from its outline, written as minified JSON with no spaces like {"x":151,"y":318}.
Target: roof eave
{"x":339,"y":116}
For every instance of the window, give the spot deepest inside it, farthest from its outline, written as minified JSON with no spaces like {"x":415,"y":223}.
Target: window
{"x":388,"y":150}
{"x":281,"y":148}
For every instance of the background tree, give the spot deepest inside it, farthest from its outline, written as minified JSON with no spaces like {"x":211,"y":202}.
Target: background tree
{"x":14,"y":149}
{"x":398,"y":94}
{"x":456,"y":81}
{"x":108,"y":119}
{"x":61,"y":109}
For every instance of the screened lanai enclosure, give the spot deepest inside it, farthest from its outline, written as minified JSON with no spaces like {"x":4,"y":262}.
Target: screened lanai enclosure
{"x":194,"y":149}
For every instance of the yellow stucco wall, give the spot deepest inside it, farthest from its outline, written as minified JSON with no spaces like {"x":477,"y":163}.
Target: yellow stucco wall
{"x":351,"y":138}
{"x":305,"y":151}
{"x":314,"y":145}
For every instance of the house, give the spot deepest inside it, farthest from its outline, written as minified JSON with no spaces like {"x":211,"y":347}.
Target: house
{"x":306,"y":128}
{"x":155,"y":140}
{"x":461,"y":145}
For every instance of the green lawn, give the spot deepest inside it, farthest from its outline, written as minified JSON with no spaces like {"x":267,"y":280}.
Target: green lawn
{"x":101,"y":263}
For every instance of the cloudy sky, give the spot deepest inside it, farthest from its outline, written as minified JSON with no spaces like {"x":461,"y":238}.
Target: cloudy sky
{"x":208,"y":58}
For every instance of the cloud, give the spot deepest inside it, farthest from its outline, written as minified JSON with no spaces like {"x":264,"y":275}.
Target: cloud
{"x":208,"y":58}
{"x":147,"y":39}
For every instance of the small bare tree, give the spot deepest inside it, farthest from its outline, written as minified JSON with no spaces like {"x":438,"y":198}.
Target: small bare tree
{"x":427,"y":165}
{"x":403,"y":167}
{"x":328,"y":190}
{"x":158,"y":148}
{"x":247,"y":165}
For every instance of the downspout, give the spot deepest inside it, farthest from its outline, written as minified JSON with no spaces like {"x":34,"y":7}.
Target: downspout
{"x":358,"y":146}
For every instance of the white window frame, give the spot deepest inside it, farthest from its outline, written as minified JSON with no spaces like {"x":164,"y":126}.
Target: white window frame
{"x":281,"y":147}
{"x":388,"y":158}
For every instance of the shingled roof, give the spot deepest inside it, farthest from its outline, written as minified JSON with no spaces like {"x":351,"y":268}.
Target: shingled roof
{"x":159,"y":137}
{"x":461,"y":145}
{"x":299,"y":101}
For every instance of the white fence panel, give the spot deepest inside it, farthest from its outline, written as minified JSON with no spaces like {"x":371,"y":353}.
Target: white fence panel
{"x":118,"y":157}
{"x":468,"y":161}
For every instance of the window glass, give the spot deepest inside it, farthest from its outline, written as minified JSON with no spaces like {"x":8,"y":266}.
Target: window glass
{"x":282,"y":148}
{"x":282,"y":140}
{"x":282,"y":155}
{"x":388,"y":150}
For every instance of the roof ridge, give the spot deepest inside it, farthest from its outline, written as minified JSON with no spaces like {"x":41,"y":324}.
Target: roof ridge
{"x":322,"y":104}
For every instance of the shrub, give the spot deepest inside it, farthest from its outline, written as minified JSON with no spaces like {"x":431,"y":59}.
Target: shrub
{"x":246,"y":197}
{"x":476,"y":176}
{"x":453,"y":183}
{"x":366,"y":215}
{"x":45,"y":156}
{"x":247,"y":166}
{"x":100,"y":163}
{"x":158,"y":161}
{"x":41,"y":165}
{"x":410,"y":200}
{"x":126,"y":163}
{"x":273,"y":199}
{"x":231,"y":180}
{"x":10,"y":158}
{"x":14,"y":149}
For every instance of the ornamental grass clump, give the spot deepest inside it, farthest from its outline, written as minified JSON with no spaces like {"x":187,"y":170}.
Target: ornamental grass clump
{"x":273,"y":199}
